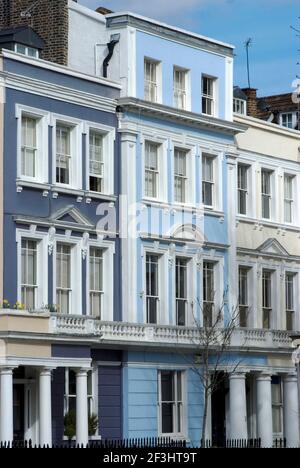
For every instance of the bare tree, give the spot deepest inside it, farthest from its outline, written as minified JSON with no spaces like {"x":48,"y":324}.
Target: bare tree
{"x":212,"y":343}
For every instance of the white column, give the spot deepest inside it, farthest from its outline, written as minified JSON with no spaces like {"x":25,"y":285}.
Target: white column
{"x":237,"y":406}
{"x":6,"y":404}
{"x":82,"y":436}
{"x":45,"y":423}
{"x":291,"y":410}
{"x":264,"y":410}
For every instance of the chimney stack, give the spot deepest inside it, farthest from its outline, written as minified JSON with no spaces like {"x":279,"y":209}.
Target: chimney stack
{"x":49,"y":19}
{"x":251,"y":94}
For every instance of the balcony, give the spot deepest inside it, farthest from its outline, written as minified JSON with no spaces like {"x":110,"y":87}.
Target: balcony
{"x":139,"y":334}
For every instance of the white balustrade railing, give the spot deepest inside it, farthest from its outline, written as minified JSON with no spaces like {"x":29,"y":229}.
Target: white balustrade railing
{"x":162,"y":334}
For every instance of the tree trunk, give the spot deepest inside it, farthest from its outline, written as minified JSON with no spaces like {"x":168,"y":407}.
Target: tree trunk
{"x":202,"y":442}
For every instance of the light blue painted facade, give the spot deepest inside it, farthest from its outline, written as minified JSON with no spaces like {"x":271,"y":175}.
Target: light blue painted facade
{"x":170,"y":54}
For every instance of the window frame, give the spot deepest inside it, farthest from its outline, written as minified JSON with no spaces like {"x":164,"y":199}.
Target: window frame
{"x":290,"y":201}
{"x":185,"y":90}
{"x":212,"y":98}
{"x":277,"y":405}
{"x":290,"y":311}
{"x":162,"y":153}
{"x":270,"y":195}
{"x":42,"y":155}
{"x":158,"y":288}
{"x":109,"y":136}
{"x":269,"y":308}
{"x":26,"y":53}
{"x":92,"y":398}
{"x":42,"y":265}
{"x":213,"y":158}
{"x":158,"y":83}
{"x":175,"y":372}
{"x":243,"y":321}
{"x":108,"y":251}
{"x":243,"y":106}
{"x":75,"y":270}
{"x":76,"y":131}
{"x":244,"y":190}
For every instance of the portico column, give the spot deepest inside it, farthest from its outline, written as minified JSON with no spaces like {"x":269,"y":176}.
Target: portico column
{"x":82,"y":436}
{"x":6,"y":404}
{"x":264,"y":410}
{"x":237,"y":406}
{"x":45,"y":425}
{"x":291,"y":410}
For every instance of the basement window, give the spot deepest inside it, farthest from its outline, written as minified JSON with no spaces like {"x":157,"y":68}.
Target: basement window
{"x":25,"y":50}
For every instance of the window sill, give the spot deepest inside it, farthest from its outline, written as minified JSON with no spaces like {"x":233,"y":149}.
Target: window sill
{"x":268,"y":223}
{"x":213,"y":212}
{"x":57,"y":189}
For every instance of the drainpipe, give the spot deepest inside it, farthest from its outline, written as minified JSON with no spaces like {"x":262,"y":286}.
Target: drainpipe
{"x":114,"y":39}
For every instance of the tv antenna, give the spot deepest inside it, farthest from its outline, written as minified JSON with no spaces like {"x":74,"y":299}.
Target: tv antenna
{"x":27,"y":13}
{"x":248,"y":44}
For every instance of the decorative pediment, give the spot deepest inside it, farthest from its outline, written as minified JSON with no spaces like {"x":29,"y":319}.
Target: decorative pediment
{"x":188,"y":232}
{"x":272,"y":246}
{"x":70,"y":214}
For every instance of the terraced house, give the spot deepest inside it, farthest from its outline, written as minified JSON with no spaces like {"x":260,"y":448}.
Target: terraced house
{"x":134,"y":205}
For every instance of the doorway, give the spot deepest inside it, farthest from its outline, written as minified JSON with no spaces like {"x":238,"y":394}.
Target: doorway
{"x":218,"y":412}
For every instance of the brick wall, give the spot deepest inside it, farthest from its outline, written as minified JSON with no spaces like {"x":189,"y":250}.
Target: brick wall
{"x":49,"y":19}
{"x":251,"y":94}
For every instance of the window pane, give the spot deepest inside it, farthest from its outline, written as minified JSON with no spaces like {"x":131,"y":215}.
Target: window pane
{"x":179,"y":175}
{"x":28,"y":146}
{"x":150,"y":83}
{"x":28,"y":272}
{"x":63,"y":277}
{"x":63,"y":154}
{"x":96,"y":281}
{"x":152,"y":288}
{"x":96,"y":161}
{"x":151,"y":170}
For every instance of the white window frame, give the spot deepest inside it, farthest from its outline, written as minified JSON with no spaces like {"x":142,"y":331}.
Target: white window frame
{"x":272,"y":307}
{"x":184,"y":422}
{"x":244,"y":306}
{"x":42,"y":265}
{"x":216,"y":189}
{"x":244,"y":190}
{"x":294,"y":120}
{"x":190,"y":292}
{"x":279,"y":406}
{"x":75,"y":305}
{"x":108,"y":251}
{"x":108,"y":134}
{"x":272,"y":210}
{"x":42,"y":154}
{"x":76,"y":130}
{"x":158,"y":83}
{"x":212,"y":98}
{"x":291,"y":201}
{"x":186,"y":91}
{"x":292,"y":311}
{"x":162,"y":153}
{"x":190,"y":195}
{"x":239,"y":106}
{"x":163,"y":288}
{"x":92,"y":398}
{"x":218,"y":264}
{"x":26,"y":51}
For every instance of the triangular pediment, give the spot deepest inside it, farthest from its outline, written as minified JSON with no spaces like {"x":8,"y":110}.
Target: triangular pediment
{"x":70,"y":214}
{"x":272,"y":246}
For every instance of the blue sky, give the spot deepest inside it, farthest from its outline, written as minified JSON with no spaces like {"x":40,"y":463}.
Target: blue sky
{"x":275,"y":50}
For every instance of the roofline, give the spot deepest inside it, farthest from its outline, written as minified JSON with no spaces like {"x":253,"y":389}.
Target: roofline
{"x":269,"y":126}
{"x":191,"y":118}
{"x":170,"y":27}
{"x":51,"y":66}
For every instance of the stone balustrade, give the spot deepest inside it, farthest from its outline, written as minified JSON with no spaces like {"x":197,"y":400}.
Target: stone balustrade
{"x":162,"y":334}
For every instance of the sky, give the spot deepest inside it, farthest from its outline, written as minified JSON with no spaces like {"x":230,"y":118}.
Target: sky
{"x":275,"y":50}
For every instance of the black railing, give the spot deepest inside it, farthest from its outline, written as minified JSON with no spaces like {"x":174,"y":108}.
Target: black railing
{"x":153,"y":442}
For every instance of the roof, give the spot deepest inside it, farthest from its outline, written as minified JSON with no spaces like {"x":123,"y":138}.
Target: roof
{"x":238,"y":93}
{"x":144,"y":22}
{"x":22,"y":35}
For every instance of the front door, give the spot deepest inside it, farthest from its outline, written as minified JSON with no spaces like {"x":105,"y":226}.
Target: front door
{"x":19,"y":411}
{"x":218,"y":414}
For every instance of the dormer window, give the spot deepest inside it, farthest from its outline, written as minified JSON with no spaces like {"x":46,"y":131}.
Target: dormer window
{"x":289,"y":119}
{"x":239,"y":106}
{"x":25,"y":50}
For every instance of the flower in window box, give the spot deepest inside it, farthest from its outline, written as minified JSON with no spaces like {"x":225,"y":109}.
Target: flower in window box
{"x":51,"y":307}
{"x":5,"y":304}
{"x":19,"y":306}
